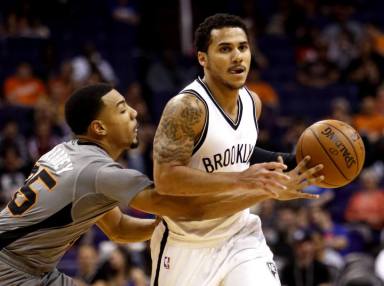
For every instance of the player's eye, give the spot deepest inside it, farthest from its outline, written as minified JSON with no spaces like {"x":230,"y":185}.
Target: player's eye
{"x":243,"y":48}
{"x":123,"y":111}
{"x":224,"y":49}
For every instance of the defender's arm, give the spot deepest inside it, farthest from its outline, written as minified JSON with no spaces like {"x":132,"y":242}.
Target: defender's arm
{"x":122,"y":228}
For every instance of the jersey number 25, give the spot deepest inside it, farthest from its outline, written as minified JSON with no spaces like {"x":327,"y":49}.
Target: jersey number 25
{"x":26,"y":196}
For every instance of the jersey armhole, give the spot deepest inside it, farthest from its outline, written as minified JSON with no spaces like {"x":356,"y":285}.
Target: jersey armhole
{"x":203,"y":133}
{"x":254,"y":108}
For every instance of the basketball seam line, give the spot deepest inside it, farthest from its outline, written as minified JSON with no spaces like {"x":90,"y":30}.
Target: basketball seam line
{"x":325,"y":150}
{"x":353,"y":147}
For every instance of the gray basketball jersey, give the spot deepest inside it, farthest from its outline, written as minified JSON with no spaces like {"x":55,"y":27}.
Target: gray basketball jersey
{"x":69,"y":189}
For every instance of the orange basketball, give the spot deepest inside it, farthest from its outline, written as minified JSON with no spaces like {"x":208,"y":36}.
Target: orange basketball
{"x":337,"y":146}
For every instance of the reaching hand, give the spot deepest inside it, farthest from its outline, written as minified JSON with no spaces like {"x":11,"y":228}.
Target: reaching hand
{"x":268,"y":177}
{"x":300,"y":178}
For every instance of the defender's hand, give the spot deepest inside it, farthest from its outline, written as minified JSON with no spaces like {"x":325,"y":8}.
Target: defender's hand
{"x":268,"y":177}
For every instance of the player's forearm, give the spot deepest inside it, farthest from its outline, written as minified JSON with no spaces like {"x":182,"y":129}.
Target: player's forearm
{"x":195,"y":208}
{"x":185,"y":181}
{"x":226,"y":204}
{"x":134,"y":229}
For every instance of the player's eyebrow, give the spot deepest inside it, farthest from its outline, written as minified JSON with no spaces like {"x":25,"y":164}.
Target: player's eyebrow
{"x":229,"y":44}
{"x":120,"y":102}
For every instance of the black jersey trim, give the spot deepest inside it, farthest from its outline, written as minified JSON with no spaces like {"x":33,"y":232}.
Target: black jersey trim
{"x":233,"y":124}
{"x":254,"y":109}
{"x":160,"y":258}
{"x":85,"y":142}
{"x":204,"y":132}
{"x":61,"y":218}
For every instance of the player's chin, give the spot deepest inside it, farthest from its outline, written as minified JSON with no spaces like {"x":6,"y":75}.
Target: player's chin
{"x":134,"y":143}
{"x":236,"y":84}
{"x":237,"y":81}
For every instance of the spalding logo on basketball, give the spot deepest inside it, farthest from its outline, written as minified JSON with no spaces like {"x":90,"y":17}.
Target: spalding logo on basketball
{"x":337,"y":146}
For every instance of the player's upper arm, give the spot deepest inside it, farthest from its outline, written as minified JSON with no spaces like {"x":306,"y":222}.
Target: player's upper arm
{"x":120,"y":184}
{"x":180,"y":126}
{"x":109,"y":223}
{"x":258,"y":103}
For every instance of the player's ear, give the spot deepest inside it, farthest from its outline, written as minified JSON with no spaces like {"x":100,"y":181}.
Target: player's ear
{"x":202,"y":58}
{"x":98,"y":128}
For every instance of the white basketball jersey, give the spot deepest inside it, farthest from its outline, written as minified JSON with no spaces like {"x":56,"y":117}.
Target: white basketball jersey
{"x":224,"y":146}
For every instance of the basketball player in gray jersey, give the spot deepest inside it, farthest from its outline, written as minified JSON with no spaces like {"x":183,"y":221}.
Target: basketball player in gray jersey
{"x":206,"y":138}
{"x":78,"y":184}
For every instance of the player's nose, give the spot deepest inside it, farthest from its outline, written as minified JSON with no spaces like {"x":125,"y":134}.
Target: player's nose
{"x":133,"y":113}
{"x":237,"y":56}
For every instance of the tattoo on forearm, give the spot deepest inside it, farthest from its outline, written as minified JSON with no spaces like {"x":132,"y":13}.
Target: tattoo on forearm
{"x":175,"y":136}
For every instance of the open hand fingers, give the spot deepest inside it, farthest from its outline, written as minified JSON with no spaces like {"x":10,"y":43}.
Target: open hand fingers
{"x":303,"y":195}
{"x":310,"y":181}
{"x":302,"y":166}
{"x":307,"y":174}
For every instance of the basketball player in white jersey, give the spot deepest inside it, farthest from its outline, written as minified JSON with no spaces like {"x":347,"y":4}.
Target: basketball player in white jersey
{"x":206,"y":138}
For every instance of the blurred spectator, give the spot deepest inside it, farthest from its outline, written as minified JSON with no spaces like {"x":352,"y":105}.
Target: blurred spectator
{"x":377,"y":36}
{"x":307,"y":40}
{"x":43,"y":140}
{"x":263,"y":89}
{"x":135,"y":99}
{"x":380,"y":100}
{"x":119,"y":271}
{"x":27,"y":27}
{"x":12,"y":173}
{"x":318,"y":71}
{"x":365,"y":69}
{"x":335,"y":235}
{"x":10,"y":136}
{"x":23,"y":88}
{"x":368,"y":121}
{"x":87,"y":259}
{"x":166,"y":74}
{"x":277,"y":22}
{"x":285,"y":226}
{"x":304,"y":268}
{"x":341,"y":110}
{"x":140,"y":158}
{"x":292,"y":134}
{"x":342,"y":36}
{"x":61,"y":85}
{"x":90,"y":61}
{"x":366,"y":205}
{"x":125,"y":12}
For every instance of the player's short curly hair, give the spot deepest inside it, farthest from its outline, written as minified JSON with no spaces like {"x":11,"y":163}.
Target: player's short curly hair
{"x":84,"y":105}
{"x":217,"y":21}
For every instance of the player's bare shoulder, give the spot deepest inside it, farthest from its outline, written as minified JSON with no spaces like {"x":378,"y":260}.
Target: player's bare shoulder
{"x":180,"y":125}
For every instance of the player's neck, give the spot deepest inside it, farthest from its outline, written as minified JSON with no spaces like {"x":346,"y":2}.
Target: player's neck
{"x":112,"y":151}
{"x":226,"y":97}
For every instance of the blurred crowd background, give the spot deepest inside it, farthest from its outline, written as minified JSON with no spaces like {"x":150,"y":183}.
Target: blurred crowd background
{"x":313,"y":59}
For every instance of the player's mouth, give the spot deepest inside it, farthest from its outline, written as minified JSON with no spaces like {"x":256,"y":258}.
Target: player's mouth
{"x":237,"y":70}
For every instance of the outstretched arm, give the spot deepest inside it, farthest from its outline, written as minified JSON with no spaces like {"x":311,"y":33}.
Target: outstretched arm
{"x":196,"y":208}
{"x":122,"y":228}
{"x":180,"y":126}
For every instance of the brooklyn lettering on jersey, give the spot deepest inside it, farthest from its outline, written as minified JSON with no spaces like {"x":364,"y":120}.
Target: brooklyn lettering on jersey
{"x":239,"y":153}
